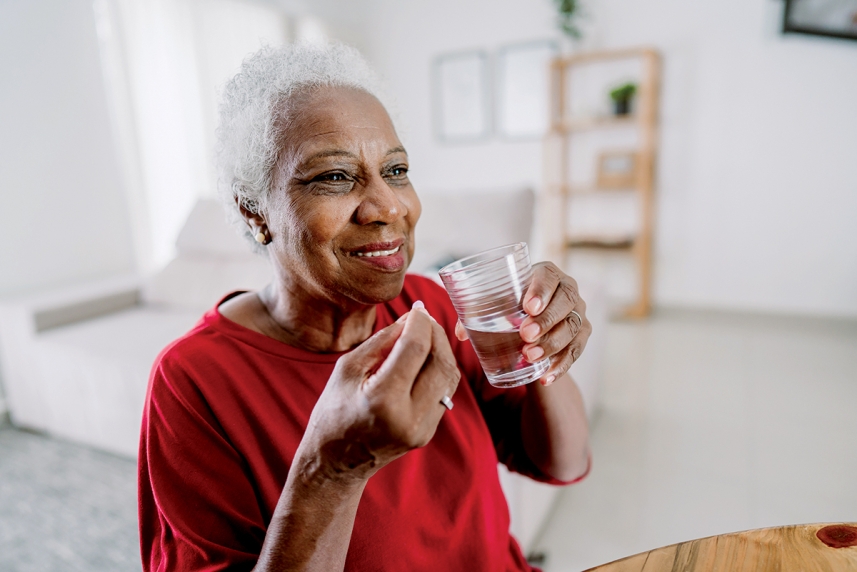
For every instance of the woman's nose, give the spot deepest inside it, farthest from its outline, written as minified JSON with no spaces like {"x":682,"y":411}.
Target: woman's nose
{"x":380,"y":204}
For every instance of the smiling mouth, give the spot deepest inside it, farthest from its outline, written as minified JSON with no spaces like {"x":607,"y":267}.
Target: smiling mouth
{"x":375,"y":253}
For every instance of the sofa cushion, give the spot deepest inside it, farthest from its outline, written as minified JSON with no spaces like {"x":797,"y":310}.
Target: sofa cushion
{"x":207,"y":232}
{"x":212,"y":260}
{"x":94,"y":374}
{"x":457,"y":224}
{"x":198,"y":282}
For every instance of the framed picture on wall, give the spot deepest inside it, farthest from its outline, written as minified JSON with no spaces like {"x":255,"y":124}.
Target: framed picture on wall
{"x":831,"y":18}
{"x":461,"y":97}
{"x":523,"y":89}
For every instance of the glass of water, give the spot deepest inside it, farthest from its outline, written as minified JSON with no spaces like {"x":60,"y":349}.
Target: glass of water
{"x":487,"y":290}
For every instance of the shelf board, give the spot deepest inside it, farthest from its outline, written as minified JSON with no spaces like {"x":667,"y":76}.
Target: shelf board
{"x":603,"y":55}
{"x":601,"y":242}
{"x":556,"y":190}
{"x":636,"y":311}
{"x":589,"y":123}
{"x":590,"y":190}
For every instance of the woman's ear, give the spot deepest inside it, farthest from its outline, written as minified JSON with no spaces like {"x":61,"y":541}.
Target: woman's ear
{"x":255,"y":222}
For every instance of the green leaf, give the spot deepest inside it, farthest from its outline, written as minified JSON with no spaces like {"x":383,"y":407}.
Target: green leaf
{"x":623,"y":92}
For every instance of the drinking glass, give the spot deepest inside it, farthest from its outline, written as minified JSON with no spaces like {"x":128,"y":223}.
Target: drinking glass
{"x":487,"y":290}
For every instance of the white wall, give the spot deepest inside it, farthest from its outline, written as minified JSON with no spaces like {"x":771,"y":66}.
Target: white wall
{"x":757,"y":193}
{"x":63,"y":215}
{"x":405,"y":36}
{"x":165,"y":62}
{"x":757,"y":198}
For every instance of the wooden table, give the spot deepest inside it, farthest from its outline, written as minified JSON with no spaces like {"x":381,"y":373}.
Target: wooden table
{"x":802,"y":548}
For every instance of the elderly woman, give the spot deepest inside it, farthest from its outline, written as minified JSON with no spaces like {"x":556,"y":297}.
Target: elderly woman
{"x":302,"y":427}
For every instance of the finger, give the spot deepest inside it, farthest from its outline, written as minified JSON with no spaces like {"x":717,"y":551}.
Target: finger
{"x":552,"y":342}
{"x":439,"y":377}
{"x":560,"y":335}
{"x":562,"y":361}
{"x":460,"y":332}
{"x":546,"y":278}
{"x":409,"y":352}
{"x":368,"y":357}
{"x":563,"y":300}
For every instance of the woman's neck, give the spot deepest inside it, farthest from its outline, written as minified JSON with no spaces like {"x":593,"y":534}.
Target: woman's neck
{"x":293,"y":316}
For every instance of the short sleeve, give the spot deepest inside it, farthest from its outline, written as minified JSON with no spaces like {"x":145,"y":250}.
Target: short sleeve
{"x":197,"y":506}
{"x":502,"y":410}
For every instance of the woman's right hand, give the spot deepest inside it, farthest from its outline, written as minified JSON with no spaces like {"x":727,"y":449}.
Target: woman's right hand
{"x":382,"y":400}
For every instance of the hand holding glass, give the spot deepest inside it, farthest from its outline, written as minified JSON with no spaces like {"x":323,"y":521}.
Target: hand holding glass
{"x":487,"y":290}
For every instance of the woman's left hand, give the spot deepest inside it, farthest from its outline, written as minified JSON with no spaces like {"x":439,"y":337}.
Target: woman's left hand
{"x":557,"y":326}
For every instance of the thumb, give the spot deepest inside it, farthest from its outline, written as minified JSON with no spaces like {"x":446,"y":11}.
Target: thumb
{"x":368,"y":356}
{"x":460,"y":332}
{"x":381,"y":342}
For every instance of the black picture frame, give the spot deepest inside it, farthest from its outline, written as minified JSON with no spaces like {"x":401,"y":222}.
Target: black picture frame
{"x":794,"y":22}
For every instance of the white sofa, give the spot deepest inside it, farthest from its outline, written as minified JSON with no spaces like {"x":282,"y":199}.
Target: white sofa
{"x":75,"y":363}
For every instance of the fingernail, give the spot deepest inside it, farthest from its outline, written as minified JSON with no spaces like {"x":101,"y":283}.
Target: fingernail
{"x":550,"y":380}
{"x":531,"y":331}
{"x":534,"y":305}
{"x":418,"y":305}
{"x":535,"y":353}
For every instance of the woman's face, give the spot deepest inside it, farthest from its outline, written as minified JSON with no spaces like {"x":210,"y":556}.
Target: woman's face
{"x":342,"y":211}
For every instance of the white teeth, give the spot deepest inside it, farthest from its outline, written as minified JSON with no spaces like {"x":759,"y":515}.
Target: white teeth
{"x":378,"y":253}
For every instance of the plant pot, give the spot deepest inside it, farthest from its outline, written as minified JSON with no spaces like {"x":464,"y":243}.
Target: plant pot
{"x":621,"y":106}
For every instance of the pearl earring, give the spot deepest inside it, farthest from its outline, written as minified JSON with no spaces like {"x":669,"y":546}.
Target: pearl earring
{"x":261,"y":238}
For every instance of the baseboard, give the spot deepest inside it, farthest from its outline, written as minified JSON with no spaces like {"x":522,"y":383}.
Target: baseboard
{"x":678,"y":308}
{"x":761,"y":318}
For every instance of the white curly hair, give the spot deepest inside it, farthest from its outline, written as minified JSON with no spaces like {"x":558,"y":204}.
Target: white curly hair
{"x":255,"y":103}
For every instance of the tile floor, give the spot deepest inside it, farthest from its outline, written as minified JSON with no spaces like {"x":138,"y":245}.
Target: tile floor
{"x":65,"y":508}
{"x":710,"y":423}
{"x":713,"y":423}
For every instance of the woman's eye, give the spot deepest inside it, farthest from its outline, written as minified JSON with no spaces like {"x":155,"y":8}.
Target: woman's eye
{"x":399,"y":171}
{"x":333,"y":177}
{"x":332,"y":183}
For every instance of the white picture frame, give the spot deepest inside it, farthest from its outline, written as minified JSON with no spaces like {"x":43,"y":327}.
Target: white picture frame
{"x":522,"y":89}
{"x":462,"y":104}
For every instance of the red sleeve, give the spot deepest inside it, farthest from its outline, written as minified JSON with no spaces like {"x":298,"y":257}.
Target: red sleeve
{"x":197,"y":507}
{"x":501,"y":408}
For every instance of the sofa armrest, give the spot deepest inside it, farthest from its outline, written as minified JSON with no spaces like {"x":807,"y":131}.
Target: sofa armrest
{"x":23,"y":318}
{"x":55,"y":308}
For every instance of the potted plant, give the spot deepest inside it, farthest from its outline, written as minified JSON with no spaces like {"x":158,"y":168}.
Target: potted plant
{"x":622,"y":96}
{"x":568,"y":15}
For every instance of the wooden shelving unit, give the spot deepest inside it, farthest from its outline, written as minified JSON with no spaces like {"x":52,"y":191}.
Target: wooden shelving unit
{"x":562,"y":131}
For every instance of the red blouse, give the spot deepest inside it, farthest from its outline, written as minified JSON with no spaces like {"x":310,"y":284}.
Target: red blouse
{"x":225,"y":411}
